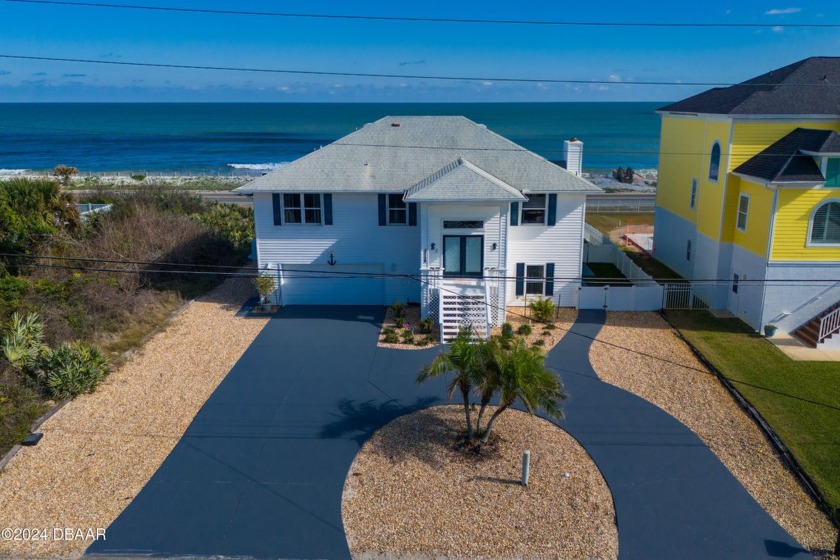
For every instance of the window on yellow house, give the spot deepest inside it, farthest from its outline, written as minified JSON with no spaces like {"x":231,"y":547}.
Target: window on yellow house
{"x":743,"y":211}
{"x":825,"y":227}
{"x":714,"y":163}
{"x":832,"y":172}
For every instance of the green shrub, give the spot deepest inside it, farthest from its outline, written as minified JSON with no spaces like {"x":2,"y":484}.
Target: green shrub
{"x":231,"y":222}
{"x":542,"y":309}
{"x":507,"y":330}
{"x":73,"y":369}
{"x":23,"y":345}
{"x":539,"y":342}
{"x":265,"y":286}
{"x":407,"y":336}
{"x":398,"y":309}
{"x":426,"y":326}
{"x":524,"y":330}
{"x":550,"y":327}
{"x":391,"y":338}
{"x":11,"y":289}
{"x":139,"y":177}
{"x":423,"y":341}
{"x":388,"y":330}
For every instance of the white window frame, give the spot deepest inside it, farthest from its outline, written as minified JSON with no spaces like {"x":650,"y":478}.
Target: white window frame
{"x":303,"y":208}
{"x":720,"y":157}
{"x":522,"y":211}
{"x":692,"y":203}
{"x":534,"y":282}
{"x":388,"y":210}
{"x":808,"y":241}
{"x":746,"y":213}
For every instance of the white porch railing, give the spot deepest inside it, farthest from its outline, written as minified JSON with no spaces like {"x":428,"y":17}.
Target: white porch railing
{"x":475,"y":302}
{"x":829,"y":325}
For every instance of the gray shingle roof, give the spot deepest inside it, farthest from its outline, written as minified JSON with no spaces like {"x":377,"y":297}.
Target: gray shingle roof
{"x":785,"y":161}
{"x":796,"y":89}
{"x":461,"y":181}
{"x":395,"y":153}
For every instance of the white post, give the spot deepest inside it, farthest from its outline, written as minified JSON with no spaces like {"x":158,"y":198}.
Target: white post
{"x":526,"y":467}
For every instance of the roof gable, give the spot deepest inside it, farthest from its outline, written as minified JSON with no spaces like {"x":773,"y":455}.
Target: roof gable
{"x":395,"y":153}
{"x":801,"y":88}
{"x":462,"y":181}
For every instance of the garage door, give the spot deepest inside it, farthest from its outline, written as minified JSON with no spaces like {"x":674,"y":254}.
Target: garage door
{"x":349,"y":284}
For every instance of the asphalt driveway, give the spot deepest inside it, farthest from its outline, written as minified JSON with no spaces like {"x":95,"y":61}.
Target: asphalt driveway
{"x":260,"y":471}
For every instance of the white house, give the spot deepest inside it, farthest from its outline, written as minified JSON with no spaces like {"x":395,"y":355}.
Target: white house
{"x":435,"y":210}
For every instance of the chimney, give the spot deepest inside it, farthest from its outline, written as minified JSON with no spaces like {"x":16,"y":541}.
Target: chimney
{"x":573,"y":155}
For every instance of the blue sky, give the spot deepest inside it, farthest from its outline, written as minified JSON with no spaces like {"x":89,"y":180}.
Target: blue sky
{"x":615,"y":55}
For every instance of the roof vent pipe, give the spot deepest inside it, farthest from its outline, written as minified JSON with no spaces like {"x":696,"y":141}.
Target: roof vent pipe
{"x":573,"y":155}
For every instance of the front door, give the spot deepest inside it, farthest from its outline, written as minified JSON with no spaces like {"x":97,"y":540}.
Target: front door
{"x":463,"y":255}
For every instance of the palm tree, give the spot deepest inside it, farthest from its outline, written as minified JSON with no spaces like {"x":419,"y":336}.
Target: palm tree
{"x":520,"y":374}
{"x":463,"y":358}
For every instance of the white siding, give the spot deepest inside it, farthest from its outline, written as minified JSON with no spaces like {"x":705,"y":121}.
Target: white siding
{"x":560,"y":244}
{"x":355,"y":238}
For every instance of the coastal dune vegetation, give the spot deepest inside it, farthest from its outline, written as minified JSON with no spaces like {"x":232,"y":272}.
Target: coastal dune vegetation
{"x":92,"y":288}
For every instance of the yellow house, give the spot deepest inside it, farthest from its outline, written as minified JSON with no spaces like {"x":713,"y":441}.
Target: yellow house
{"x":748,"y":203}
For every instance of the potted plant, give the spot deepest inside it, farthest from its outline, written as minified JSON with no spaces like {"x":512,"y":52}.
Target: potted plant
{"x":265,"y":287}
{"x":769,"y":330}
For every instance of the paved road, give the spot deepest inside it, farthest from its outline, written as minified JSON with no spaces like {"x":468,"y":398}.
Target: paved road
{"x":260,"y":471}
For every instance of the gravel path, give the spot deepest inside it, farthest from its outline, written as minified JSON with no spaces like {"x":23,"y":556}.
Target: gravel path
{"x":101,"y":449}
{"x":700,"y":402}
{"x":410,"y":494}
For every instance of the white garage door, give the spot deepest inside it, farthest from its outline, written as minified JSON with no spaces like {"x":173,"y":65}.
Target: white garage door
{"x":318,"y":284}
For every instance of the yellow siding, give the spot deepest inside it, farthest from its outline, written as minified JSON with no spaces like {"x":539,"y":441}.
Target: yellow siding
{"x":749,"y":138}
{"x":790,"y":232}
{"x":754,"y":239}
{"x":685,"y":144}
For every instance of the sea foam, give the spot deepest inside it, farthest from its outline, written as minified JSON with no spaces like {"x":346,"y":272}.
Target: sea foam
{"x":257,"y":166}
{"x":13,"y":172}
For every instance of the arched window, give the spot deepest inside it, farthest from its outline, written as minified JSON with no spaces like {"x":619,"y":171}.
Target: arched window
{"x":714,"y":162}
{"x":825,"y":227}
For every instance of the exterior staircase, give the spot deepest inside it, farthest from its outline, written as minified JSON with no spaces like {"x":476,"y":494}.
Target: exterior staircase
{"x":463,"y":310}
{"x":820,"y":328}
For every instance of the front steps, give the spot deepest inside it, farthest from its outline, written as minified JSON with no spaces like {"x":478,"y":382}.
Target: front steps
{"x":810,"y":331}
{"x":461,"y":310}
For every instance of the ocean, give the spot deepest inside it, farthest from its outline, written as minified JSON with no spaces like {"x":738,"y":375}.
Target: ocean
{"x":233,"y":138}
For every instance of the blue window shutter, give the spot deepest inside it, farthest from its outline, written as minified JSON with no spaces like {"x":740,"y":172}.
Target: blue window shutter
{"x":412,"y":213}
{"x":278,"y":211}
{"x":552,"y":209}
{"x":549,"y":279}
{"x":382,"y":210}
{"x":328,"y":209}
{"x":520,"y":278}
{"x":514,"y":213}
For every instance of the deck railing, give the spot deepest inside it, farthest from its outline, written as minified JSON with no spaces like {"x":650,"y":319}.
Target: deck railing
{"x":829,"y":325}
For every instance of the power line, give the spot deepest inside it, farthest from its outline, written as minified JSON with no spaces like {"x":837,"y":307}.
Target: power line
{"x":398,"y":76}
{"x":418,"y":19}
{"x":327,"y":274}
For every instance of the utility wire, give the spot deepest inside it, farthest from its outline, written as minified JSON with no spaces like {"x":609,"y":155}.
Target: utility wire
{"x":327,"y":274}
{"x":554,"y":23}
{"x":398,"y":76}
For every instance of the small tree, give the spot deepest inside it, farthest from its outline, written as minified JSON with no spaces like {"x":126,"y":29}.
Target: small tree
{"x":517,"y":373}
{"x":464,"y":360}
{"x":64,"y":172}
{"x":265,"y":287}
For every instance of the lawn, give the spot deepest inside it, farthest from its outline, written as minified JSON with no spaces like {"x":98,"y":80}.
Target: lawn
{"x":607,"y":274}
{"x":652,"y":267}
{"x":608,"y":222}
{"x":800,"y":400}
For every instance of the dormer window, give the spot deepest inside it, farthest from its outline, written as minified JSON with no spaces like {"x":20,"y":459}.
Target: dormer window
{"x":832,"y":172}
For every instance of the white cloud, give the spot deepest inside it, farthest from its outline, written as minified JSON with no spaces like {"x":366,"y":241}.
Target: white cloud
{"x":778,"y":29}
{"x":615,"y":78}
{"x":782,"y":11}
{"x":486,"y":84}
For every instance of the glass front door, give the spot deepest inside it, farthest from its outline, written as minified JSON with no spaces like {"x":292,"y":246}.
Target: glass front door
{"x":463,"y":255}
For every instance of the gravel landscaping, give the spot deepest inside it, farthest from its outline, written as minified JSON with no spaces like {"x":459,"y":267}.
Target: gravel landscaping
{"x":410,"y":323}
{"x":682,"y":386}
{"x":411,"y":493}
{"x":101,"y":449}
{"x":563,"y":321}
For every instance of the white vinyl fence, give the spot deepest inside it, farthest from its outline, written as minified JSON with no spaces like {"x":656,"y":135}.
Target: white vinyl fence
{"x":644,"y":295}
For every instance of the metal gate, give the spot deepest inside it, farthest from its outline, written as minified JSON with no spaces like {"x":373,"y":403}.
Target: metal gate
{"x":681,"y":295}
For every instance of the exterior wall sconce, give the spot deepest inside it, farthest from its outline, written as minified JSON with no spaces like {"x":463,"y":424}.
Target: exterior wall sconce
{"x":493,"y":247}
{"x":433,"y":246}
